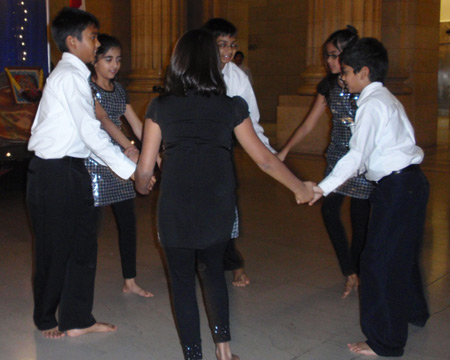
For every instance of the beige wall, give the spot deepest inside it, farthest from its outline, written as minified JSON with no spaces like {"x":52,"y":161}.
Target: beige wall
{"x":276,"y":54}
{"x":410,"y":32}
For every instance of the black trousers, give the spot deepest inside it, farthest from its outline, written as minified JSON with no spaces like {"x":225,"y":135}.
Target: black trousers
{"x":60,"y":204}
{"x":126,"y":225}
{"x":348,"y":256}
{"x":391,"y":286}
{"x":232,"y":259}
{"x":182,"y":270}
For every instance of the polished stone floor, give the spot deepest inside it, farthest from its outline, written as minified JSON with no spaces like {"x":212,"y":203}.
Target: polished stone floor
{"x":291,"y":311}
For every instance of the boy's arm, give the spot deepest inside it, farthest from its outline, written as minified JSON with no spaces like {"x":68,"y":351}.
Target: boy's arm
{"x":368,"y":123}
{"x":80,"y":105}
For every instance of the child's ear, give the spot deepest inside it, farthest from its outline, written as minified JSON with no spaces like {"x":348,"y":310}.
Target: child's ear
{"x":70,"y":42}
{"x":365,"y":72}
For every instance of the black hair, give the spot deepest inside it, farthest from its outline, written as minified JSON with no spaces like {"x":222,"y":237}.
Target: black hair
{"x":341,"y":39}
{"x":71,"y":22}
{"x":220,"y":27}
{"x":195,"y":65}
{"x":239,"y":53}
{"x":367,"y":52}
{"x":106,"y":43}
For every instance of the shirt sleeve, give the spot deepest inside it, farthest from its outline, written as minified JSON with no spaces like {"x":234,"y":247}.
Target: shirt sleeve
{"x":241,"y":110}
{"x":152,"y":110}
{"x":80,"y":104}
{"x":123,"y":92}
{"x":368,"y":122}
{"x":246,"y":92}
{"x":323,"y":88}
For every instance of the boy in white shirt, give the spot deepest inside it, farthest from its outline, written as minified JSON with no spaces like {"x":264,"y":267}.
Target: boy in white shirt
{"x":59,"y":195}
{"x":383,"y":147}
{"x":238,"y":84}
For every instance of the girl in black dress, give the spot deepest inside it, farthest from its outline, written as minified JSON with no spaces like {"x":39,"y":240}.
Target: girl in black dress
{"x":197,"y":201}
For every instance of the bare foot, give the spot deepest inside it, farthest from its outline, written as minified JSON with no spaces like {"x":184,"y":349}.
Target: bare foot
{"x":130,"y":287}
{"x":351,"y":283}
{"x":361,"y":348}
{"x":241,"y":279}
{"x":96,"y":328}
{"x":223,"y":352}
{"x":53,"y":333}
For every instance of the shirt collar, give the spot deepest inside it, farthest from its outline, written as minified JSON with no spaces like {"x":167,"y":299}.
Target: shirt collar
{"x":369,"y":89}
{"x":75,"y":61}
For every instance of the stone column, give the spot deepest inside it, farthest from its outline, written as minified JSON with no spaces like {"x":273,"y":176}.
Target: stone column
{"x":327,"y":16}
{"x":155,"y":28}
{"x":324,"y":17}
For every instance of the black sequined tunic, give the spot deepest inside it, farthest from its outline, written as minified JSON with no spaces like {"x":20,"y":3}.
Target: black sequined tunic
{"x":107,"y":187}
{"x":343,"y":108}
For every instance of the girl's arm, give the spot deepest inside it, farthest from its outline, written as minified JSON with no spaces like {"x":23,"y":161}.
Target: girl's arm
{"x":270,"y":164}
{"x":306,"y":127}
{"x":147,"y":160}
{"x":134,"y":121}
{"x":110,"y":127}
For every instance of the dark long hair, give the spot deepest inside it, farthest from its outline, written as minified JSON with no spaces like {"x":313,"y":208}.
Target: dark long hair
{"x":194,"y":65}
{"x":341,"y":39}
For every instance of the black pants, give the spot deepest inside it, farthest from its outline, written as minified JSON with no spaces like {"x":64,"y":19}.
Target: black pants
{"x":126,"y":224}
{"x":391,"y":286}
{"x":359,"y":212}
{"x":60,"y":203}
{"x":182,"y":270}
{"x":232,"y":259}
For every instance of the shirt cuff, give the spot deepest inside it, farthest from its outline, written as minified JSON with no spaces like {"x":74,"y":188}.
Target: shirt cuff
{"x":126,"y":169}
{"x":329,"y":184}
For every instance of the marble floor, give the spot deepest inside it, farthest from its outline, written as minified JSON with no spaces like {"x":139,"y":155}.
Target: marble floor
{"x":291,"y":311}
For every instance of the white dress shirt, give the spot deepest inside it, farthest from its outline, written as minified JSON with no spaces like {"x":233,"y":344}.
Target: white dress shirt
{"x":65,"y":123}
{"x":238,"y":84}
{"x":382,"y":142}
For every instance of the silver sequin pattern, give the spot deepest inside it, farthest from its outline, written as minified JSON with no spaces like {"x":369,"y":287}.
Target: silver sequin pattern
{"x":343,"y":108}
{"x":107,"y":187}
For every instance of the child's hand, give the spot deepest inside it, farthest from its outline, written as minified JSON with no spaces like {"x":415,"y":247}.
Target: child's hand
{"x":132,"y":153}
{"x":281,"y":155}
{"x":318,"y":193}
{"x":152,"y":183}
{"x":306,"y":194}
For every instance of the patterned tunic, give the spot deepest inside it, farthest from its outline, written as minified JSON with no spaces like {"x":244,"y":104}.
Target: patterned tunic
{"x":107,"y":187}
{"x":343,"y":107}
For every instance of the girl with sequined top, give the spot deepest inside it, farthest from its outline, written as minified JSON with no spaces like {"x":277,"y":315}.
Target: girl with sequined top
{"x":331,"y":93}
{"x":108,"y":189}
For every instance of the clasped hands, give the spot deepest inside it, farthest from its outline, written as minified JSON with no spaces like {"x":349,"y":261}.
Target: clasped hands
{"x":311,"y":194}
{"x":133,"y":154}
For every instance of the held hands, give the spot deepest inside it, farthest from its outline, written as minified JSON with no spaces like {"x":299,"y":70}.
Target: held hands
{"x":281,"y":155}
{"x":151,"y":183}
{"x":318,"y":193}
{"x":132,"y":153}
{"x":306,"y":194}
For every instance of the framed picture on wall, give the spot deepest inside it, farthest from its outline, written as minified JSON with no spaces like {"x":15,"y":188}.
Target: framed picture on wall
{"x":26,"y":83}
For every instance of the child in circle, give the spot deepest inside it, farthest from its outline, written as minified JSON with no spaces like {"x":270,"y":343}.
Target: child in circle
{"x":332,"y":93}
{"x":111,"y":104}
{"x":197,"y":198}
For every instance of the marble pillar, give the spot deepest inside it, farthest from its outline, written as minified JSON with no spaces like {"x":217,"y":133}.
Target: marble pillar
{"x":324,"y":17}
{"x":155,"y":27}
